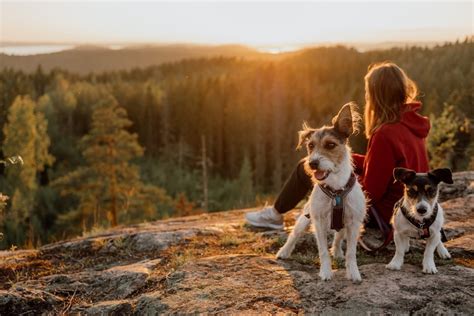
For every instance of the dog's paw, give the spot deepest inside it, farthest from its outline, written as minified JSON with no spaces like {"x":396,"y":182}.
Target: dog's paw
{"x":283,"y":253}
{"x":443,"y":253}
{"x":354,"y":276}
{"x":337,"y":253}
{"x":430,"y":268}
{"x":325,"y":275}
{"x":393,"y":266}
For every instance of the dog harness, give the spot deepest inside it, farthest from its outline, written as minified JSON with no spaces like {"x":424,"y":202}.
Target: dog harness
{"x":337,"y":197}
{"x":423,"y":227}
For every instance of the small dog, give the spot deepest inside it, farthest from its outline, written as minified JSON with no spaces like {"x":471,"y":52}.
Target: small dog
{"x":419,"y":215}
{"x":337,"y":200}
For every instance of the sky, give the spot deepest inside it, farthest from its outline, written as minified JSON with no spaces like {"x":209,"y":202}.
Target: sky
{"x":256,"y":24}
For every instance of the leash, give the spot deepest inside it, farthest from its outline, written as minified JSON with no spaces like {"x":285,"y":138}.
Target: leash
{"x":385,"y":228}
{"x":337,"y":197}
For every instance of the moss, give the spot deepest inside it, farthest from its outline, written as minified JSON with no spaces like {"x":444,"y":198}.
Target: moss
{"x":230,"y":241}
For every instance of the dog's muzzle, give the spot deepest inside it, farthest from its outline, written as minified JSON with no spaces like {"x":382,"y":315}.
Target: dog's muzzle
{"x":318,"y":174}
{"x":314,"y":164}
{"x":421,"y":210}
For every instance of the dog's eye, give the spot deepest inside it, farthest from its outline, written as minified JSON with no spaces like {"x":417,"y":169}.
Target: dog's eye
{"x":310,"y":146}
{"x":411,"y":192}
{"x":330,"y":145}
{"x":430,"y":191}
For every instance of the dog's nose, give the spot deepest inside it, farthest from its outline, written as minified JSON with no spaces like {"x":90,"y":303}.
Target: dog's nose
{"x":314,"y":164}
{"x":421,"y":210}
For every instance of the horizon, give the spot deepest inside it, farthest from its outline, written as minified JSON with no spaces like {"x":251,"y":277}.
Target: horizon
{"x":38,"y":48}
{"x":279,"y":26}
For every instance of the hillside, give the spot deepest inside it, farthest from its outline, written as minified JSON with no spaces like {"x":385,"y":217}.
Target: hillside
{"x":213,"y":263}
{"x":247,"y":111}
{"x":85,"y":59}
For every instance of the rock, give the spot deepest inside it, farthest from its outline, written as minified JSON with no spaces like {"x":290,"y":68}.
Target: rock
{"x":462,"y":246}
{"x":135,"y":241}
{"x":120,"y":282}
{"x":214,"y":264}
{"x":408,"y":291}
{"x":115,"y":283}
{"x":231,"y":284}
{"x":110,"y":308}
{"x":463,"y":186}
{"x":24,"y":300}
{"x":139,"y":241}
{"x":150,"y":304}
{"x":459,"y":209}
{"x":459,"y":225}
{"x":158,"y":241}
{"x":248,"y":284}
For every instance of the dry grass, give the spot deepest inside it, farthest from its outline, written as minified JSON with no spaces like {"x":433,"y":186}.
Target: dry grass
{"x":229,"y":241}
{"x":13,"y":272}
{"x":467,"y":262}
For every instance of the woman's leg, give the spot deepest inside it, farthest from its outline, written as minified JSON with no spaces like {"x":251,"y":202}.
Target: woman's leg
{"x":296,"y":188}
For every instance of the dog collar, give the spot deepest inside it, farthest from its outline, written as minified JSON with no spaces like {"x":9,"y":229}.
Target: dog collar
{"x":330,"y":192}
{"x":337,"y":196}
{"x":422,"y":226}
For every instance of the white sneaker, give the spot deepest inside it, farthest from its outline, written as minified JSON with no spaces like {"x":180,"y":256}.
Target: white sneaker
{"x":268,"y":217}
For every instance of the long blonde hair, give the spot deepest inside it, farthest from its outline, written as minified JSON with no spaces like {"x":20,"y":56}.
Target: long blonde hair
{"x":387,"y":89}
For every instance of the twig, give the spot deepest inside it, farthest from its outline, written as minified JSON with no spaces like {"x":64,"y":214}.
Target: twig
{"x":70,"y":303}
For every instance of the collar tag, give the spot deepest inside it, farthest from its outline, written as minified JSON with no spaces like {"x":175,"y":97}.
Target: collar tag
{"x":424,"y":233}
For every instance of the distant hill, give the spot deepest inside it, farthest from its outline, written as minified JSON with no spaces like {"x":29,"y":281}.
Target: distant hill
{"x":85,"y":59}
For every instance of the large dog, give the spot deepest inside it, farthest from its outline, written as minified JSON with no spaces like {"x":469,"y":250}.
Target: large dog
{"x":337,"y":200}
{"x":418,"y":214}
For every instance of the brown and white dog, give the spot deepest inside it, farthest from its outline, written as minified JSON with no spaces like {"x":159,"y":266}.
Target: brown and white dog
{"x":336,"y":191}
{"x":419,"y":215}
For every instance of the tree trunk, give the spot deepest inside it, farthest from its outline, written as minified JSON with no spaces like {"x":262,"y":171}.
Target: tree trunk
{"x":204,"y":173}
{"x":277,"y":135}
{"x":113,"y":209}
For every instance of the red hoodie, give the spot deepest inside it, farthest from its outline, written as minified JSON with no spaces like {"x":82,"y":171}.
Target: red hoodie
{"x":400,"y":144}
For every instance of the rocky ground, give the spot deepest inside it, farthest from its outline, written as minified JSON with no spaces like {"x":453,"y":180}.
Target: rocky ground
{"x":213,"y":263}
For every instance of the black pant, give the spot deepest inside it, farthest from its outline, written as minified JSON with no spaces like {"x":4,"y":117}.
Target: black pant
{"x":296,"y":187}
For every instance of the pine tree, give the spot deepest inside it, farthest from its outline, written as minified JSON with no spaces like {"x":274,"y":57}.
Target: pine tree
{"x":245,"y":183}
{"x":449,"y":139}
{"x":25,"y":135}
{"x":4,"y":198}
{"x":108,"y":185}
{"x":59,"y":105}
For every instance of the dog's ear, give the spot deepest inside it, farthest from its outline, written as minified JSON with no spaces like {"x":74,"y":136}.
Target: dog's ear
{"x":346,"y":122}
{"x":304,"y":135}
{"x":404,"y":175}
{"x":441,"y":174}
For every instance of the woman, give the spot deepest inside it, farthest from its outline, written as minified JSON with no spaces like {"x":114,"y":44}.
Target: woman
{"x":396,"y":138}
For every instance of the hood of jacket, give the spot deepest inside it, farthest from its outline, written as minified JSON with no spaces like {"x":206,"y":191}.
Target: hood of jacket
{"x":417,"y":123}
